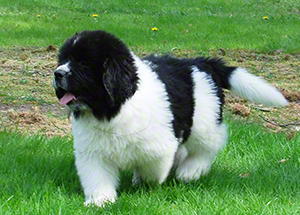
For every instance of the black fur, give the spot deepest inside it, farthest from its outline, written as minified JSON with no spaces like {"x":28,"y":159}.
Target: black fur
{"x":103,"y":76}
{"x":176,"y":75}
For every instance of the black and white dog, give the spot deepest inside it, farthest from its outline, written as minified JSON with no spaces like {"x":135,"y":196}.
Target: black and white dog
{"x":146,"y":115}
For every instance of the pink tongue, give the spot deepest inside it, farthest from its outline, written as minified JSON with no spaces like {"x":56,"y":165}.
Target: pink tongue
{"x":66,"y":98}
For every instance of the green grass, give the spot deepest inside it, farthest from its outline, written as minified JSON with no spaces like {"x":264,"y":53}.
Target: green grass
{"x":197,"y":25}
{"x":38,"y":176}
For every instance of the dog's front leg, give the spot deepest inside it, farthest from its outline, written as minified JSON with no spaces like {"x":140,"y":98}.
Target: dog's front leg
{"x":99,"y":179}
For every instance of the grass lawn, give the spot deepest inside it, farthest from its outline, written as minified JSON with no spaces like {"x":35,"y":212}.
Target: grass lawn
{"x":256,"y":173}
{"x":264,"y":25}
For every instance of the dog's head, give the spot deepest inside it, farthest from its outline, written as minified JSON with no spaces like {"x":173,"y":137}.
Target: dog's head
{"x":95,"y":72}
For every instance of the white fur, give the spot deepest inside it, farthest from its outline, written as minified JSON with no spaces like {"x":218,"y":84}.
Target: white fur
{"x":207,"y":136}
{"x":255,"y":89}
{"x":139,"y":138}
{"x":64,"y":67}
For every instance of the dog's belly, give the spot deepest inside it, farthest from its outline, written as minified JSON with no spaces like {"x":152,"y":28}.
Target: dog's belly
{"x":120,"y":151}
{"x":126,"y":153}
{"x":125,"y":150}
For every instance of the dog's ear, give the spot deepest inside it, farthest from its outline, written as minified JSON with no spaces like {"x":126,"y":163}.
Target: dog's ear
{"x":119,"y":79}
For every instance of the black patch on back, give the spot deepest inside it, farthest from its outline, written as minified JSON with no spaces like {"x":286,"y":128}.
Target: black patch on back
{"x":176,"y":74}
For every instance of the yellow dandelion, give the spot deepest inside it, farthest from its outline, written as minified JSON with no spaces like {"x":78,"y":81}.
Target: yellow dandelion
{"x":95,"y":15}
{"x":154,"y":29}
{"x":265,"y":17}
{"x":38,"y":15}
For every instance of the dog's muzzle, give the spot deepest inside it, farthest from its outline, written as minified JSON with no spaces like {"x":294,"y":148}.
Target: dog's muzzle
{"x":59,"y":74}
{"x":59,"y":80}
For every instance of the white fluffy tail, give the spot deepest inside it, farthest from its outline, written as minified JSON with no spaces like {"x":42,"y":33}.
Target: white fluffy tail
{"x":255,"y":89}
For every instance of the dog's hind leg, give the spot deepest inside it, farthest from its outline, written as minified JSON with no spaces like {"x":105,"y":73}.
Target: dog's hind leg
{"x":202,"y":148}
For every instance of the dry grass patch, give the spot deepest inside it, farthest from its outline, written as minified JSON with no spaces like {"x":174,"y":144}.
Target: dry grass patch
{"x":28,"y":100}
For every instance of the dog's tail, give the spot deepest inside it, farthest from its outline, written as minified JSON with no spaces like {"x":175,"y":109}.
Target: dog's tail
{"x":254,"y":89}
{"x":248,"y":86}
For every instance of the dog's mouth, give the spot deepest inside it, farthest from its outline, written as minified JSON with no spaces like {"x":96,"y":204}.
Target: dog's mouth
{"x":75,"y":103}
{"x":67,"y":98}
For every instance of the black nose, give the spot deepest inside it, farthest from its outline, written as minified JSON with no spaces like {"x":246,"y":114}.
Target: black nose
{"x":59,"y":74}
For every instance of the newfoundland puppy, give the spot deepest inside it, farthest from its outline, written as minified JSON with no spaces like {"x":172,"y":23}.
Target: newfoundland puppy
{"x":147,"y":115}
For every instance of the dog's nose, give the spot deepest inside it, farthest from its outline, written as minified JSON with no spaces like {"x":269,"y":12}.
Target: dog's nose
{"x":59,"y":73}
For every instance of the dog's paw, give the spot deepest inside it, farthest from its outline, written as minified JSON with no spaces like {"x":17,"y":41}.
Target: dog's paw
{"x":99,"y":201}
{"x":189,"y":171}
